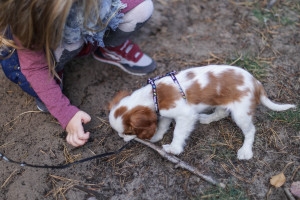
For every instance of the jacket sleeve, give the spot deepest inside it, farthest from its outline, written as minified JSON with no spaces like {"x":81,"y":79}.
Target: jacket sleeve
{"x":34,"y":67}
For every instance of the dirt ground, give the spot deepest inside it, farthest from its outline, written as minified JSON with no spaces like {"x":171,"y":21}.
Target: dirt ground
{"x":180,"y":34}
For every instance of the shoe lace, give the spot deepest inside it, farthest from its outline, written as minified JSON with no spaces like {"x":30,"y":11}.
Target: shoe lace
{"x":128,"y":50}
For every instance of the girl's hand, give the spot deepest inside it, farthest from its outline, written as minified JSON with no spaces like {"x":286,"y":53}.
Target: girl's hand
{"x":76,"y":135}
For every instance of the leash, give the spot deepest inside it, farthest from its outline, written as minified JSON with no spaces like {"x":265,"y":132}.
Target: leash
{"x":24,"y":164}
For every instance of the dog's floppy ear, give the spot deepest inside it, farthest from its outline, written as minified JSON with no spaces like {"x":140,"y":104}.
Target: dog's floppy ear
{"x":117,"y":98}
{"x":140,"y":121}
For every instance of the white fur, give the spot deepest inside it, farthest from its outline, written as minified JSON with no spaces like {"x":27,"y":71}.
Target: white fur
{"x":186,"y":114}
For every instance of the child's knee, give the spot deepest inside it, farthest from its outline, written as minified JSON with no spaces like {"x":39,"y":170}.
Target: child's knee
{"x":137,"y":15}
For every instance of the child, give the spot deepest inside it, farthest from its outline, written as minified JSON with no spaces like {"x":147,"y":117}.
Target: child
{"x":40,"y":36}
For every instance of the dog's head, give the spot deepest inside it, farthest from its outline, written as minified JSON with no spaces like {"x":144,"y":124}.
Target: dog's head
{"x":131,"y":121}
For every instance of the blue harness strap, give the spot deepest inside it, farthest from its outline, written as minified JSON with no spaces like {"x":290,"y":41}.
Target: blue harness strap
{"x":151,"y":81}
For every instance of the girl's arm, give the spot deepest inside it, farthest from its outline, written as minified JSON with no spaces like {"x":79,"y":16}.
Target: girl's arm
{"x":35,"y":69}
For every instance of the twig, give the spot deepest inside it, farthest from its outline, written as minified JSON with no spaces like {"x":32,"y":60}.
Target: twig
{"x":180,"y":163}
{"x":20,"y":116}
{"x":89,"y":191}
{"x":294,"y":173}
{"x":236,"y":60}
{"x":3,"y":185}
{"x":288,"y":193}
{"x":7,"y":144}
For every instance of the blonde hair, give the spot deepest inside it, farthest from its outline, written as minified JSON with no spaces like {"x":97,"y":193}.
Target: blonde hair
{"x":39,"y":24}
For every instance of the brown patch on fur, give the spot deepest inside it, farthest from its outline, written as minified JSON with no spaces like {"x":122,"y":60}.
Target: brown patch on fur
{"x":120,"y":111}
{"x":167,"y":95}
{"x":140,"y":121}
{"x":220,"y":90}
{"x":117,"y":98}
{"x":258,"y":91}
{"x":190,"y":75}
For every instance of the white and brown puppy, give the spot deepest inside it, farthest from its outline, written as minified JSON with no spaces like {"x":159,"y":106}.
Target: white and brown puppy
{"x":227,"y":89}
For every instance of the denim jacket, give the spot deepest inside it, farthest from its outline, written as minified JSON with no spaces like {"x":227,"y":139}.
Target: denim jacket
{"x":75,"y":30}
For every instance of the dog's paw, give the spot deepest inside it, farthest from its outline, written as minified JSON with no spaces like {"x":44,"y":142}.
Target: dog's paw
{"x":204,"y":119}
{"x":171,"y":149}
{"x":244,"y":154}
{"x":156,"y":138}
{"x":127,"y":138}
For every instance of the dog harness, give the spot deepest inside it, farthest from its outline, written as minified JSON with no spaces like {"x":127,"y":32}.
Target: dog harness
{"x":151,"y":81}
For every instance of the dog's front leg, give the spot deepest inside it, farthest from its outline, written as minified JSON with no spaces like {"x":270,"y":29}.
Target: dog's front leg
{"x":163,"y":126}
{"x":184,"y":126}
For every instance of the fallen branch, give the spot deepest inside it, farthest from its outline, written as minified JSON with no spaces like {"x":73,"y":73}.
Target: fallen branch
{"x":288,"y":193}
{"x":180,"y":163}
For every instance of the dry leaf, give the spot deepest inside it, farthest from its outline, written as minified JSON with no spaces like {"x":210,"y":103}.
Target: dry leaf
{"x":295,"y":188}
{"x":278,"y":180}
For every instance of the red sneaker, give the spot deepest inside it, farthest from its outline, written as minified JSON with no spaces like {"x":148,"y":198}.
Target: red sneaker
{"x":128,"y":57}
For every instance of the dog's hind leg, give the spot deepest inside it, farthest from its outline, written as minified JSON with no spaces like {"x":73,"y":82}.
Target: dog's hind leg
{"x":244,"y":121}
{"x":163,"y":126}
{"x":218,"y":114}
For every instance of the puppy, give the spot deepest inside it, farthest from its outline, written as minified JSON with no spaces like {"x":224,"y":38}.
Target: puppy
{"x":148,"y":111}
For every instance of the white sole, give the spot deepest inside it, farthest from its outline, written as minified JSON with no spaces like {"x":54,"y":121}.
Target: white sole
{"x":118,"y":65}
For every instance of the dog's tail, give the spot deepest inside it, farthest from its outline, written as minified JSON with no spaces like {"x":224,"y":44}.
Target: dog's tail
{"x":274,"y":106}
{"x":270,"y":104}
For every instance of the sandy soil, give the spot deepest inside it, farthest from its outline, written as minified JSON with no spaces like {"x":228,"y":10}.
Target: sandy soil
{"x":181,"y":33}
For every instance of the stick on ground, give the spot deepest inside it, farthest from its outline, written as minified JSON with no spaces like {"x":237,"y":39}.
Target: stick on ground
{"x":180,"y":163}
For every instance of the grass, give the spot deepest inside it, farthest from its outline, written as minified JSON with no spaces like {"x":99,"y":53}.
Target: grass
{"x":61,"y":185}
{"x":264,"y":16}
{"x":222,"y":152}
{"x":231,"y":192}
{"x":225,"y":148}
{"x":291,"y":117}
{"x":253,"y":65}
